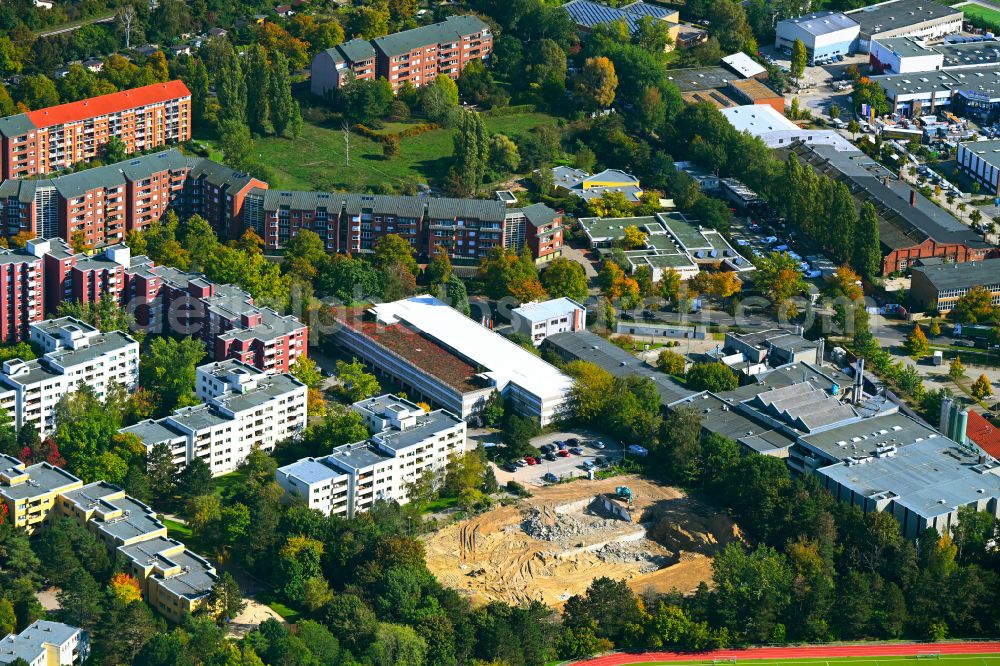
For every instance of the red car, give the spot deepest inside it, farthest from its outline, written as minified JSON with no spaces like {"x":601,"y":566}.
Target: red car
{"x":563,"y":454}
{"x":530,"y":461}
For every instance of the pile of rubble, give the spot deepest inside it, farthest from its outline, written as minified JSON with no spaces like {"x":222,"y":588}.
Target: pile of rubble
{"x":550,"y":526}
{"x":623,"y":552}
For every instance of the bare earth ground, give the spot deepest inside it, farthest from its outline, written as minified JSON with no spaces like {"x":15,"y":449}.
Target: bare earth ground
{"x":552,"y":545}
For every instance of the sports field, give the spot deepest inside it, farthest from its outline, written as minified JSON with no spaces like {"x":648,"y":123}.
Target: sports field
{"x":973,"y":10}
{"x":866,"y":654}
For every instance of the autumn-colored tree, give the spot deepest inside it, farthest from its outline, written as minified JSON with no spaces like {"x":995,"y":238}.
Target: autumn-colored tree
{"x":957,"y":369}
{"x":124,"y":588}
{"x":670,"y":285}
{"x":634,"y":237}
{"x":610,"y":204}
{"x":671,"y":362}
{"x":275,"y":39}
{"x":315,"y":404}
{"x":916,"y":344}
{"x":982,"y":388}
{"x":935,"y":328}
{"x":596,"y":83}
{"x":846,"y":282}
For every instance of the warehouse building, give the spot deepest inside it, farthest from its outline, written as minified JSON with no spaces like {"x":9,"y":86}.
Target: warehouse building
{"x":775,"y":130}
{"x":824,"y":34}
{"x":980,"y":160}
{"x":939,"y":286}
{"x":904,"y":18}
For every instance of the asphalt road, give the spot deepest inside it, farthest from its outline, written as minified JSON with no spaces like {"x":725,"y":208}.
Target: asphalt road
{"x":564,"y":468}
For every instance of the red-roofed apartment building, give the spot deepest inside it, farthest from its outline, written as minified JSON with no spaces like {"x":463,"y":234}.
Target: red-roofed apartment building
{"x":54,"y":138}
{"x":984,"y":434}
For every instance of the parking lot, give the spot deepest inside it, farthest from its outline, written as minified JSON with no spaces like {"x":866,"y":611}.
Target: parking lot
{"x":572,"y":465}
{"x":755,"y":237}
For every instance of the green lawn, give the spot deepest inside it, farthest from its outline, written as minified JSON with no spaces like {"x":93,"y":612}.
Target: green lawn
{"x":973,"y":11}
{"x":223,"y":485}
{"x":944,"y":660}
{"x":289,"y":614}
{"x":316,"y":161}
{"x":177,"y":530}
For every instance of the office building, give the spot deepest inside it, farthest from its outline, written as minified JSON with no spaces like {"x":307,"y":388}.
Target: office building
{"x":940,"y":285}
{"x":30,"y":491}
{"x":416,"y":56}
{"x":407,"y":443}
{"x":540,"y":320}
{"x":587,"y":14}
{"x":439,"y":355}
{"x":673,"y":242}
{"x":46,"y":643}
{"x":75,"y":353}
{"x":824,"y":34}
{"x":911,"y":227}
{"x":242,"y":408}
{"x":578,"y":182}
{"x":57,"y":137}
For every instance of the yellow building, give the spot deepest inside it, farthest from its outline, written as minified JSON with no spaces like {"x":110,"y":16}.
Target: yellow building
{"x":31,"y":492}
{"x":173,"y":580}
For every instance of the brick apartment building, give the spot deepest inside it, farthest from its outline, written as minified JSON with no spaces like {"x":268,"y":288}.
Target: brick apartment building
{"x":105,"y":203}
{"x":22,"y":299}
{"x":54,"y":138}
{"x":415,"y":56}
{"x":353,"y":223}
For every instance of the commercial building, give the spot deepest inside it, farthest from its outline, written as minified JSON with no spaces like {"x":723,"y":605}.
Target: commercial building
{"x":242,"y":408}
{"x":980,"y":160}
{"x":673,"y":242}
{"x":910,"y":226}
{"x":408,"y":442}
{"x":775,"y":347}
{"x":57,"y":137}
{"x":775,"y":130}
{"x":75,"y":353}
{"x":905,"y":18}
{"x":416,"y":56}
{"x":540,"y":320}
{"x":824,"y":34}
{"x":752,"y":91}
{"x":46,"y":643}
{"x":578,"y":182}
{"x":442,"y":356}
{"x":939,"y":286}
{"x":587,"y":14}
{"x":745,"y":66}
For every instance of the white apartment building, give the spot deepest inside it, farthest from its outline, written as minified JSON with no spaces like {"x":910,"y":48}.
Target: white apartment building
{"x":75,"y":353}
{"x":45,"y":643}
{"x":353,"y":477}
{"x":539,"y":320}
{"x":242,"y":408}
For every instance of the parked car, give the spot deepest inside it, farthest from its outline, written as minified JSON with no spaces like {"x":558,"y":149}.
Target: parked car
{"x":530,"y":460}
{"x":648,"y":315}
{"x":587,"y":464}
{"x":509,"y":467}
{"x":562,"y":445}
{"x":576,"y":450}
{"x":573,"y":441}
{"x":637,"y":450}
{"x":597,"y":444}
{"x":550,"y":477}
{"x":601,"y":461}
{"x":550,"y":457}
{"x":546,"y":448}
{"x":563,"y":454}
{"x":521,"y":463}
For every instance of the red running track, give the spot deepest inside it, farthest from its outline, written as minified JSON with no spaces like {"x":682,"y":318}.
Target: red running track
{"x":804,"y":652}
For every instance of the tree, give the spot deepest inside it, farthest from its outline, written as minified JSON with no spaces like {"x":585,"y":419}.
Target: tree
{"x":36,"y":91}
{"x":225,"y":601}
{"x":81,"y":600}
{"x":956,"y":370}
{"x":392,"y":249}
{"x":286,"y":116}
{"x":231,"y":89}
{"x":457,"y":296}
{"x":124,"y":588}
{"x":867,"y":251}
{"x":610,"y":204}
{"x":236,"y":144}
{"x":367,"y":100}
{"x":916,"y":344}
{"x":195,"y":480}
{"x":258,"y":70}
{"x":503,"y":155}
{"x":935,"y":328}
{"x":396,"y":645}
{"x":982,"y":388}
{"x":634,"y":238}
{"x":799,"y":57}
{"x":305,"y":370}
{"x":715,"y":377}
{"x":358,"y":384}
{"x":128,"y":23}
{"x":8,"y":620}
{"x":975,"y":307}
{"x":671,"y":362}
{"x":505,"y":273}
{"x":168,"y":369}
{"x":438,"y":271}
{"x":470,"y":156}
{"x":753,"y":590}
{"x":596,"y":83}
{"x":565,"y":278}
{"x":778,"y":278}
{"x":115,"y":150}
{"x":439,"y":100}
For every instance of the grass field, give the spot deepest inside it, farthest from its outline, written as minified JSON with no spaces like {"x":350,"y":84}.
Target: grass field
{"x":943,"y":660}
{"x":974,"y":11}
{"x":316,"y":160}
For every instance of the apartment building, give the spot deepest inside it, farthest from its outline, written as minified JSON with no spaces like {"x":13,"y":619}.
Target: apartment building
{"x":224,"y":317}
{"x":414,"y":56}
{"x":23,"y":296}
{"x":539,"y":320}
{"x":242,"y":408}
{"x":57,"y":137}
{"x":408,"y":442}
{"x":30,"y":491}
{"x":173,"y":579}
{"x":75,"y":353}
{"x":111,"y":515}
{"x":46,"y":643}
{"x":537,"y":227}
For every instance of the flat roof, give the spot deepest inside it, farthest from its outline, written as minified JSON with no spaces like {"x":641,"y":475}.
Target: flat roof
{"x":969,"y":54}
{"x":930,"y":477}
{"x":906,"y":47}
{"x":505,"y":361}
{"x":823,"y":22}
{"x":310,"y":470}
{"x":43,"y":479}
{"x":757,"y":119}
{"x":544,"y":310}
{"x":427,"y":426}
{"x":756,"y":90}
{"x":900,"y":14}
{"x":30,"y":643}
{"x":964,"y":275}
{"x":357,"y":456}
{"x":700,"y":78}
{"x":863,"y":438}
{"x":744,"y":65}
{"x":196,"y":579}
{"x":718,"y":417}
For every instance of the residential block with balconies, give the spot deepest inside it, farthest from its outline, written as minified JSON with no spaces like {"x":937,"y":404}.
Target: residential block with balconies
{"x":46,"y":643}
{"x":408,"y":442}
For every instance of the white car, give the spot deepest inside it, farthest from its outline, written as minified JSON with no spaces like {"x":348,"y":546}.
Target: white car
{"x":811,"y":274}
{"x":780,"y":248}
{"x":740,"y":241}
{"x":770,"y":239}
